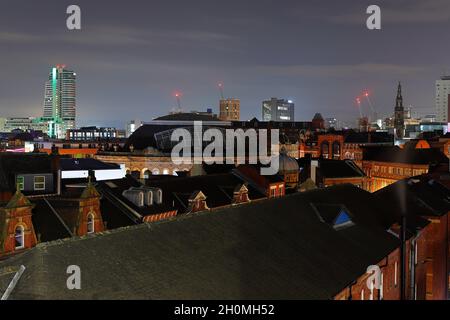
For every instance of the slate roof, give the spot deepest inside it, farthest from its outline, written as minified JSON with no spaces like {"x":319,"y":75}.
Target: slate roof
{"x":70,"y":164}
{"x":218,"y":189}
{"x":271,"y":249}
{"x":410,"y":156}
{"x":12,"y":164}
{"x":368,"y":137}
{"x":420,"y":197}
{"x":330,"y":168}
{"x":46,"y":224}
{"x":112,"y":193}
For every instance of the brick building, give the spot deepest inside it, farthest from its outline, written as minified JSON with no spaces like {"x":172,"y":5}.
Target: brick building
{"x":386,"y":165}
{"x":303,"y":246}
{"x":424,"y":200}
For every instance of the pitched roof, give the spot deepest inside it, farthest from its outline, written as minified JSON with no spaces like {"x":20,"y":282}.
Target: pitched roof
{"x":12,"y":164}
{"x":331,"y":168}
{"x":410,"y":156}
{"x":420,"y":197}
{"x":70,"y":164}
{"x":367,"y":137}
{"x":47,"y":225}
{"x":271,"y":249}
{"x":218,"y":189}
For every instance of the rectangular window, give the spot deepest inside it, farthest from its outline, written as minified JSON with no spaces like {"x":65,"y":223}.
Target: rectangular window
{"x":415,"y":253}
{"x":273,"y":192}
{"x":39,"y":183}
{"x":395,"y":273}
{"x":371,"y":291}
{"x":20,"y":182}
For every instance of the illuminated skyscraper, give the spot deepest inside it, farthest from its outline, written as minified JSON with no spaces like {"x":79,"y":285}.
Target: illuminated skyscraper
{"x":278,"y":110}
{"x":60,"y":101}
{"x":443,"y":99}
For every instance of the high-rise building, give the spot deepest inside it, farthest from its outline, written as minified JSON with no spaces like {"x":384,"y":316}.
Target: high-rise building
{"x":60,"y":101}
{"x":399,"y":115}
{"x":230,"y":109}
{"x":132,"y":126}
{"x":277,"y":110}
{"x":443,"y":99}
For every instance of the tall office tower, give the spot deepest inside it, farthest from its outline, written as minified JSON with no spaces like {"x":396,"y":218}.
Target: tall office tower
{"x":230,"y":109}
{"x":399,"y":115}
{"x":60,"y":101}
{"x":443,"y":99}
{"x":277,"y":110}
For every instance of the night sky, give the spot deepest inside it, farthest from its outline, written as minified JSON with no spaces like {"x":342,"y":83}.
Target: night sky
{"x":131,"y":56}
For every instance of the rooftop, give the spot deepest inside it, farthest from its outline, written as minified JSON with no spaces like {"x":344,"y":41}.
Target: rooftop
{"x":271,"y":249}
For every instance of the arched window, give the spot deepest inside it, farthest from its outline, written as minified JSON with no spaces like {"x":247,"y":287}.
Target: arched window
{"x":147,"y":174}
{"x":325,"y":149}
{"x":155,"y":171}
{"x":166,"y":171}
{"x":336,"y":150}
{"x":20,"y":237}
{"x":90,"y":223}
{"x":136,"y":174}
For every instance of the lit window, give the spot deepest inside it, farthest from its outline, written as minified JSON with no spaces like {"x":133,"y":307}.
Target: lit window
{"x":381,"y":287}
{"x":90,"y":223}
{"x":273,"y":192}
{"x":395,"y":273}
{"x":362,"y":294}
{"x":415,"y":253}
{"x":371,"y":291}
{"x":20,"y":238}
{"x":39,"y":183}
{"x":20,"y":181}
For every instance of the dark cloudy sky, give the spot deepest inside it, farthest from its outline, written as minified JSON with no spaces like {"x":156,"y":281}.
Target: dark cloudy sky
{"x":130,"y":56}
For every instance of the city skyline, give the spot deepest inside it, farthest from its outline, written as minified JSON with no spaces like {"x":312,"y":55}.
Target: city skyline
{"x":130,"y":59}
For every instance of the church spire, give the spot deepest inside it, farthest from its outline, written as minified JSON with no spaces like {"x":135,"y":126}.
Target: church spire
{"x":399,"y":90}
{"x":399,"y":112}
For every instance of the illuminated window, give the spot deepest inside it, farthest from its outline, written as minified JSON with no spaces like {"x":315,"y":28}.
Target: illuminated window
{"x":395,"y":273}
{"x":273,"y":192}
{"x":90,"y":223}
{"x":19,"y":238}
{"x":371,"y":291}
{"x":362,"y":294}
{"x":20,"y":181}
{"x":39,"y":183}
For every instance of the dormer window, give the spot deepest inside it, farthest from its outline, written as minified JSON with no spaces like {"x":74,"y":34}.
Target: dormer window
{"x":19,"y":238}
{"x":335,"y":215}
{"x":90,"y":223}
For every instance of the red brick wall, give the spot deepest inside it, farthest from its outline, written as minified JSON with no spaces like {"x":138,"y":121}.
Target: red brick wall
{"x":436,"y":257}
{"x":391,"y":291}
{"x":18,"y":216}
{"x":89,"y":206}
